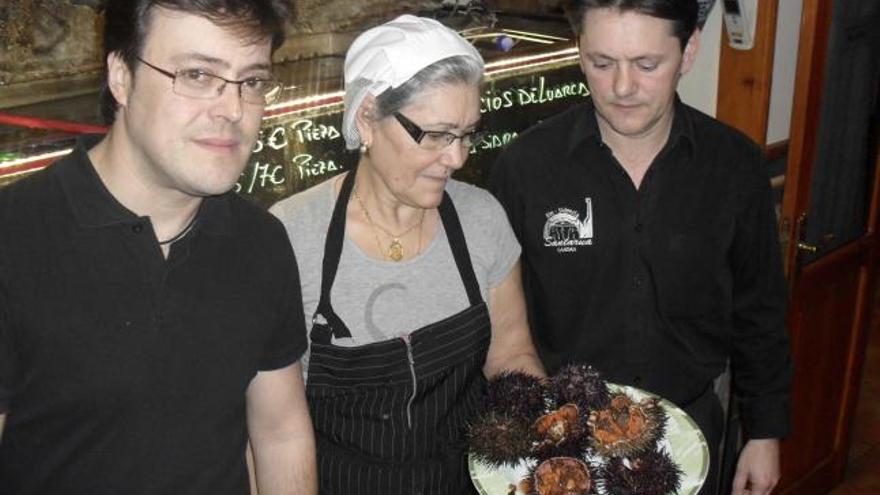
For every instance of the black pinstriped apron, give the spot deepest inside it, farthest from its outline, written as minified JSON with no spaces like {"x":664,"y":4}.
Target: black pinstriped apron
{"x":390,"y":416}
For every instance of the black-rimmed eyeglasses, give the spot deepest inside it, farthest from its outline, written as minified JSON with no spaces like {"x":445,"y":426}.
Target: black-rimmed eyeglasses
{"x":437,"y":140}
{"x":198,"y":83}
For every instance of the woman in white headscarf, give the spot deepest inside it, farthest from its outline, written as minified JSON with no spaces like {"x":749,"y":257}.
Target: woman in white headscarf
{"x":411,"y":280}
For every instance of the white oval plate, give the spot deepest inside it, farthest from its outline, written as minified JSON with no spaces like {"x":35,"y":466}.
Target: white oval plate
{"x":683,"y":440}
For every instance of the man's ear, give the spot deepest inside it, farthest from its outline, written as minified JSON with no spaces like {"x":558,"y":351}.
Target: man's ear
{"x":365,"y":119}
{"x":690,"y":51}
{"x":119,"y":78}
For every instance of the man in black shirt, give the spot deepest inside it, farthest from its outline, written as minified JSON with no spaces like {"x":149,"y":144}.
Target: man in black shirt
{"x":649,"y":242}
{"x":150,"y":320}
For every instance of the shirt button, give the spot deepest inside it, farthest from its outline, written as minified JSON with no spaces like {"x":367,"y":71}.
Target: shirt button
{"x":638,"y":282}
{"x":137,"y":228}
{"x":640,"y":227}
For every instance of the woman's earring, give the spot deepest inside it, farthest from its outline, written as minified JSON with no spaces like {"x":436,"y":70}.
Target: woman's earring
{"x":364,"y":148}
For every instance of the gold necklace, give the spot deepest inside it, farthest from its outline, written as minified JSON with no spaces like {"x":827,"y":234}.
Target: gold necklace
{"x":395,"y":249}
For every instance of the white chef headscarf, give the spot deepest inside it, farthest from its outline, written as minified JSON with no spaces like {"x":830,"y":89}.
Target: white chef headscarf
{"x":388,"y":55}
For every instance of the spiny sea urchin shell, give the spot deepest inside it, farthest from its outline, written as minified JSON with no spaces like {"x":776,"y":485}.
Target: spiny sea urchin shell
{"x":497,"y":439}
{"x":652,"y":473}
{"x":579,"y":384}
{"x":526,"y":484}
{"x":562,"y":476}
{"x":516,"y":394}
{"x":627,"y":428}
{"x":561,"y":433}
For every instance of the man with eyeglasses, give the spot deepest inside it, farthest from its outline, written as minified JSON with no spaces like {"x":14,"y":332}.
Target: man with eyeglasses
{"x":150,"y":320}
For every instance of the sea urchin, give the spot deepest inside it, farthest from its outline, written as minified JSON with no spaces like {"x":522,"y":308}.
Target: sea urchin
{"x":627,"y":428}
{"x":516,"y":394}
{"x":579,"y":384}
{"x":497,"y":439}
{"x":652,"y":473}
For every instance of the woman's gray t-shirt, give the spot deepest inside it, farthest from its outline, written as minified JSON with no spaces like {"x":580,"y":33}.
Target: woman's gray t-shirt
{"x":379,"y":299}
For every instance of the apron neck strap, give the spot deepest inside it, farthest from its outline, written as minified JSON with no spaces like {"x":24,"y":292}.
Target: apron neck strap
{"x":332,"y":254}
{"x":458,"y":245}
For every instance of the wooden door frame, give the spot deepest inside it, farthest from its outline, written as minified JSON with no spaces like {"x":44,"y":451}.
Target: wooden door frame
{"x":743,"y":99}
{"x":806,"y":113}
{"x":828,"y":474}
{"x":802,"y":154}
{"x":868,"y":283}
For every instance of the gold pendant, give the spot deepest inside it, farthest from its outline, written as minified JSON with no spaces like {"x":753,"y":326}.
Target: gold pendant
{"x":395,"y":250}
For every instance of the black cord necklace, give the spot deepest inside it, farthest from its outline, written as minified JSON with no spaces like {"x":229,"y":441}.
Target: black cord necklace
{"x":180,"y":235}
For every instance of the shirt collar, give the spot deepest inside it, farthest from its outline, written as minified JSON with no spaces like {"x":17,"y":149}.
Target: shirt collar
{"x":683,"y":125}
{"x":93,"y":205}
{"x":586,"y":128}
{"x":216,"y":215}
{"x":90,"y":201}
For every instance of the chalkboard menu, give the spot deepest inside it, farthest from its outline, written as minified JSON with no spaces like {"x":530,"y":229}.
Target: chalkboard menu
{"x":301,"y":148}
{"x":301,"y":143}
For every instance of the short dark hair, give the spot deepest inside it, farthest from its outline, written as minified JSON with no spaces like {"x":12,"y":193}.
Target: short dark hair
{"x":682,"y":13}
{"x":126,"y":23}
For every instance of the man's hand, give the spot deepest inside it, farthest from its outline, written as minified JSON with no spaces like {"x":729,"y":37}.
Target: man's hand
{"x":757,"y":471}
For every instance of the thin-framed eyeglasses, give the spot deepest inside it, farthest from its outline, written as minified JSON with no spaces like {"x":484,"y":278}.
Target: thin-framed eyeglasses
{"x":437,"y":140}
{"x":201,"y":84}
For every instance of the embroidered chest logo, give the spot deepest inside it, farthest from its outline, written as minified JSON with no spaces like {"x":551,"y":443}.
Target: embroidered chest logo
{"x":566,"y":231}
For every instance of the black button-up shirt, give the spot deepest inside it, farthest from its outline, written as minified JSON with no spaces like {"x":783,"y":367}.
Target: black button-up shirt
{"x":122,"y":371}
{"x":659,"y":286}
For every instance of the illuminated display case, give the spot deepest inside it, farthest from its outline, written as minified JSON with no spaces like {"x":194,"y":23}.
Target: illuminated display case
{"x":531,"y":73}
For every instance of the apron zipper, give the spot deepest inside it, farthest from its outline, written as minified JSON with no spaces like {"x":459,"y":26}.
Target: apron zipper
{"x":412,"y":372}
